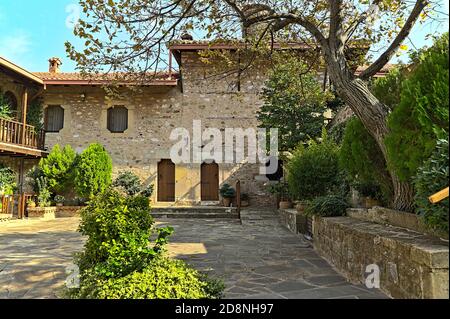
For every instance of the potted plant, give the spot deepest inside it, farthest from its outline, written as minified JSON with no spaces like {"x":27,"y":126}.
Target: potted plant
{"x":301,"y":205}
{"x":245,"y":200}
{"x":228,"y":193}
{"x":370,"y":193}
{"x":281,"y":190}
{"x":59,"y":200}
{"x":31,"y":203}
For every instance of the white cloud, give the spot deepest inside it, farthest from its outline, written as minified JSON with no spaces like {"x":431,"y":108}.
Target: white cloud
{"x":15,"y":45}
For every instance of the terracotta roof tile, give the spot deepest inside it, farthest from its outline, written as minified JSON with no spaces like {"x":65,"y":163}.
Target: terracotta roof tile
{"x":120,"y":78}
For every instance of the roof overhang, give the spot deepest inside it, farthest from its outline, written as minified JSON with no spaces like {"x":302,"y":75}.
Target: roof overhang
{"x":19,"y":73}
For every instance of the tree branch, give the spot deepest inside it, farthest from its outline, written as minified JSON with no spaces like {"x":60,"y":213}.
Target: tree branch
{"x":401,"y":36}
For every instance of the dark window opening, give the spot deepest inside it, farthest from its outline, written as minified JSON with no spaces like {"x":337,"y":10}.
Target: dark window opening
{"x":54,"y":118}
{"x":117,"y":119}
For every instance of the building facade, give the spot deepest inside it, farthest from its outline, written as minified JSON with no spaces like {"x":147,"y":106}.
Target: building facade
{"x":135,"y":125}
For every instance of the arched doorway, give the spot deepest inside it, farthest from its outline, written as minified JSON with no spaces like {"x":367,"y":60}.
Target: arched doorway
{"x":166,"y":181}
{"x":209,"y":182}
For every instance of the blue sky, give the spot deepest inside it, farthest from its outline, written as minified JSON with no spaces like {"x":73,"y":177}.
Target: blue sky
{"x":32,"y":31}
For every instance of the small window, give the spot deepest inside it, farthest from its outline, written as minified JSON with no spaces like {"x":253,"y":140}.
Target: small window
{"x":54,"y":118}
{"x":117,"y":119}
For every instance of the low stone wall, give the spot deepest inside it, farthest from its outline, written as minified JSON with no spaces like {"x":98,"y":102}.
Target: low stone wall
{"x":68,"y":211}
{"x":412,"y":265}
{"x":42,"y":212}
{"x":294,"y":221}
{"x":54,"y":212}
{"x":383,"y":215}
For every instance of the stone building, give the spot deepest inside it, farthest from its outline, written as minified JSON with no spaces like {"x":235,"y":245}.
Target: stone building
{"x":135,"y":124}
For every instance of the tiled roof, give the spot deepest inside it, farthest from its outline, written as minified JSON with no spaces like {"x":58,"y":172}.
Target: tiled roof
{"x":74,"y":78}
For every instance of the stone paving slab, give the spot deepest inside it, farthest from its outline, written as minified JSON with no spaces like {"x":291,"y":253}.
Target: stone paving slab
{"x":257,"y":259}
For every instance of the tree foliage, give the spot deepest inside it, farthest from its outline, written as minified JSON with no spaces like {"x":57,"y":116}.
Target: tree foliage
{"x":422,"y":115}
{"x":93,"y":171}
{"x":58,"y":168}
{"x":432,"y":177}
{"x":313,"y":170}
{"x":294,"y":102}
{"x":7,"y":180}
{"x":130,"y":36}
{"x":362,"y":159}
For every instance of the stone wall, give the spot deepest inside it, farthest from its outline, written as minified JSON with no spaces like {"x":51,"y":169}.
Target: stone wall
{"x":412,"y":265}
{"x":153,"y":113}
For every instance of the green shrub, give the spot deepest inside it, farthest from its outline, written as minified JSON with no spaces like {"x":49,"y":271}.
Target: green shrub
{"x":119,"y":230}
{"x":35,"y":114}
{"x":432,"y":177}
{"x":163,"y":278}
{"x":422,"y":115}
{"x":121,"y":260}
{"x":58,"y":168}
{"x":7,"y":180}
{"x":131,"y":184}
{"x":327,"y":206}
{"x":227,"y":191}
{"x":44,"y":194}
{"x":280,"y":189}
{"x":93,"y":171}
{"x":5,"y":109}
{"x":388,"y":89}
{"x":313,"y":171}
{"x":362,"y":159}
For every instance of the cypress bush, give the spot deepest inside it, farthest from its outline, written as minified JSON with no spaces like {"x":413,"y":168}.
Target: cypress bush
{"x":93,"y":171}
{"x":422,"y":115}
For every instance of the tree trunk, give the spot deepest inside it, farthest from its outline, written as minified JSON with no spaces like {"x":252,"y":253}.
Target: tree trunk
{"x":373,"y":115}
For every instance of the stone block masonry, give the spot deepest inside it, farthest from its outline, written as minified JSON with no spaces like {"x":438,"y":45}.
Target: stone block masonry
{"x":412,"y":265}
{"x":153,"y":112}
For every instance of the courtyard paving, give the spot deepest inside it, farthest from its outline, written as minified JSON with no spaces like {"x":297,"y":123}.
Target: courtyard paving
{"x":256,"y":259}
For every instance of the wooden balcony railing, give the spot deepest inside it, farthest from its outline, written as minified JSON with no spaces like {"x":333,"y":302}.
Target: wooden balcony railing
{"x":16,"y":133}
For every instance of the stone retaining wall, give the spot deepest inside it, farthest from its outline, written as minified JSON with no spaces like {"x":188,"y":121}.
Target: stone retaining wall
{"x":383,"y":215}
{"x":411,"y":264}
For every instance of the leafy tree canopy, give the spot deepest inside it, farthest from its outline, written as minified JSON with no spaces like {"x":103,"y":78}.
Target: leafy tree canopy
{"x":422,"y":115}
{"x":294,"y":103}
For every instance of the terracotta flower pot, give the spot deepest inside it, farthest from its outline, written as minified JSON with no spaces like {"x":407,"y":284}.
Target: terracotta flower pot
{"x":369,"y":202}
{"x":285,"y":204}
{"x":301,"y":207}
{"x":227,"y":202}
{"x":59,"y":204}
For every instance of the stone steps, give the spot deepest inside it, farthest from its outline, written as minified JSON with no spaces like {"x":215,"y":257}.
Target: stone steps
{"x":206,"y":212}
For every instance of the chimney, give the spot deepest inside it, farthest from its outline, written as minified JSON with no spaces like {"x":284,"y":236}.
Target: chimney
{"x":54,"y":64}
{"x":187,"y":36}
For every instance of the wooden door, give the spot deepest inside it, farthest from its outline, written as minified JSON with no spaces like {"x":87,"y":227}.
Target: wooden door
{"x":209,"y":182}
{"x":166,"y":181}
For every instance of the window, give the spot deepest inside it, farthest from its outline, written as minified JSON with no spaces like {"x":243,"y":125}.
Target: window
{"x":117,"y":121}
{"x":54,"y":118}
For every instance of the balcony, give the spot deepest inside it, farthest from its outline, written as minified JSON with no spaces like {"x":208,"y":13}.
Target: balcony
{"x":17,"y":139}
